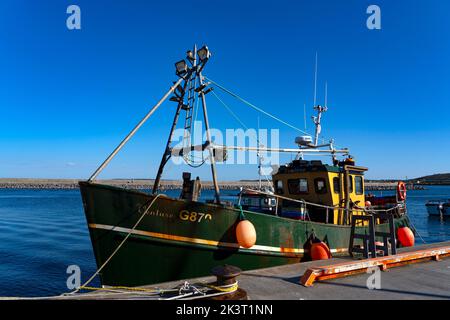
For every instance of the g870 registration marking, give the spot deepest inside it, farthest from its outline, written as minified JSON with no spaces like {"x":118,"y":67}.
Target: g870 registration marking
{"x":193,"y":216}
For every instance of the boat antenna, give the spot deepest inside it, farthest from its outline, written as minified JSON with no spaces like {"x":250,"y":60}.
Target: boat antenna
{"x":304,"y":114}
{"x":259,"y":158}
{"x":315,"y":82}
{"x":319,"y":108}
{"x":316,"y":120}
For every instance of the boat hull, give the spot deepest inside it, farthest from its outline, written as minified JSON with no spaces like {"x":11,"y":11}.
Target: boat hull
{"x":438,"y":209}
{"x":178,"y":239}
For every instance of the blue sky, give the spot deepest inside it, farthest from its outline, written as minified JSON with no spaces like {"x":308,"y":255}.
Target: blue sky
{"x":68,"y":97}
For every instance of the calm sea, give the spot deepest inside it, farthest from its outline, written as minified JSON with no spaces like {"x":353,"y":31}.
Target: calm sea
{"x":42,"y":232}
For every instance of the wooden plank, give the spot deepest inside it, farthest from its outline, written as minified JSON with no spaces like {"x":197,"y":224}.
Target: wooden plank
{"x":343,"y":269}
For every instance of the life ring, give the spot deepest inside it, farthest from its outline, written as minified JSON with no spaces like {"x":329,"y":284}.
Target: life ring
{"x":401,"y":191}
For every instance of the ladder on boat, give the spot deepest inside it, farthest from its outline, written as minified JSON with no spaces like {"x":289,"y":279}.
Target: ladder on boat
{"x":189,"y":107}
{"x":369,"y":247}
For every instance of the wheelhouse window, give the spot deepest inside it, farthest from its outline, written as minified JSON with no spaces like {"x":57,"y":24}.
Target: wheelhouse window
{"x":320,"y":185}
{"x":336,"y":185}
{"x":350,"y":186}
{"x":279,"y":187}
{"x":359,"y":188}
{"x":298,"y":186}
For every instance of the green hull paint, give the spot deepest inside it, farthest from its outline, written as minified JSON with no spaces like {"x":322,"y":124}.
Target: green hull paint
{"x":150,"y":257}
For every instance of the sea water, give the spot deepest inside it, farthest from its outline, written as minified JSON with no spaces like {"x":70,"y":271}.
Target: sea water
{"x":43,"y":232}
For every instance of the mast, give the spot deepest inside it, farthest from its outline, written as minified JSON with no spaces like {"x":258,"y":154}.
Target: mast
{"x":166,"y":156}
{"x":317,"y":120}
{"x":191,"y":75}
{"x":208,"y":139}
{"x":179,"y":97}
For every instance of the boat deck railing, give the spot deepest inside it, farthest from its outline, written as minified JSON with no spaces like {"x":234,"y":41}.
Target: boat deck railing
{"x":349,"y":211}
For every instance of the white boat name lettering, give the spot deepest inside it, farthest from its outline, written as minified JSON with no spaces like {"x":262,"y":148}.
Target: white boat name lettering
{"x":158,"y":213}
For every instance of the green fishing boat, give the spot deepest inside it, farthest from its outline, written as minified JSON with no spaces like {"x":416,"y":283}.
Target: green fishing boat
{"x":143,"y":238}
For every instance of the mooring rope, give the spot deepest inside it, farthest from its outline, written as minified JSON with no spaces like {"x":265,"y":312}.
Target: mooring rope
{"x":185,"y":291}
{"x":415,"y":229}
{"x":118,"y":247}
{"x":227,"y":289}
{"x":195,"y":291}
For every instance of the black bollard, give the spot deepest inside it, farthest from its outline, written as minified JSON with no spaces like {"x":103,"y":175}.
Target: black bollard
{"x":227,"y":275}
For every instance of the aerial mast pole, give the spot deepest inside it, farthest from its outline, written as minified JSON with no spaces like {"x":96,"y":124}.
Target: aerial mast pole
{"x":319,"y":108}
{"x":259,"y":158}
{"x":315,"y":82}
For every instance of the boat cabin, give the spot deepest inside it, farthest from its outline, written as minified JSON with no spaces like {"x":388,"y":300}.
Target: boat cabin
{"x":257,"y":202}
{"x":340,"y":185}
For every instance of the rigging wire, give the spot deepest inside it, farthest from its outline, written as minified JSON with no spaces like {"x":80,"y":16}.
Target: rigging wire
{"x":255,"y":107}
{"x":261,"y":110}
{"x":230,"y":111}
{"x":243,"y":125}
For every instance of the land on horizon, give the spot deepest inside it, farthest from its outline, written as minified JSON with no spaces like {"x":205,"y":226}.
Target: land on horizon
{"x":33,"y":183}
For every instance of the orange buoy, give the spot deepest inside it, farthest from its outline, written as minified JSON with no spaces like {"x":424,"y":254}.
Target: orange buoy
{"x":245,"y":234}
{"x":368,"y":203}
{"x":405,"y":236}
{"x":320,"y":251}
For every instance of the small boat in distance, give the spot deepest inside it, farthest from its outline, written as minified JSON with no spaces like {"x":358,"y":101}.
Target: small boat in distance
{"x":439,"y":208}
{"x":142,"y":238}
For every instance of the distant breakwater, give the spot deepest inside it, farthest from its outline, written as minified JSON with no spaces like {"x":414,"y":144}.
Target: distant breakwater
{"x":56,"y":186}
{"x":142,"y":184}
{"x":383,"y":187}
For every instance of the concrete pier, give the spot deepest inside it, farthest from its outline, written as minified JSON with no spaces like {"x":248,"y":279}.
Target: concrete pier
{"x":425,"y":280}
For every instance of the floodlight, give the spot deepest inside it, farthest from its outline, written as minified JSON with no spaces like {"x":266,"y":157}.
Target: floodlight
{"x":181,"y":67}
{"x":204,"y":53}
{"x":190,"y":55}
